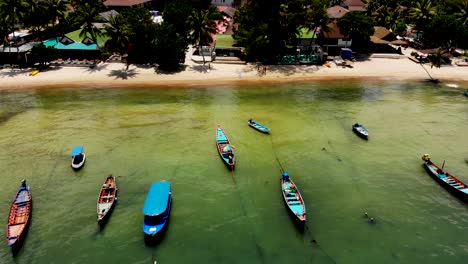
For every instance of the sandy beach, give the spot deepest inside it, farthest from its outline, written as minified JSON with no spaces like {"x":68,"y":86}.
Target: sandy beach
{"x":115,"y":74}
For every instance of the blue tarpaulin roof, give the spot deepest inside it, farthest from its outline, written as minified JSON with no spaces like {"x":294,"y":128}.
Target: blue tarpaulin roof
{"x":77,"y":150}
{"x":157,"y":198}
{"x":72,"y":46}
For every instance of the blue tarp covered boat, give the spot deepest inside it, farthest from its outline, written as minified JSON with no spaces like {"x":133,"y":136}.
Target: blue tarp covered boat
{"x":448,"y":181}
{"x":225,"y":149}
{"x":157,"y":208}
{"x":78,"y":157}
{"x":258,"y":126}
{"x":293,"y":199}
{"x":361,"y":131}
{"x":20,"y":215}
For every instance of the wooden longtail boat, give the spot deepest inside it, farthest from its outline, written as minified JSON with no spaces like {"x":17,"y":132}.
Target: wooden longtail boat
{"x":225,"y":149}
{"x":293,"y":199}
{"x":361,"y":131}
{"x":447,"y":180}
{"x":258,"y":126}
{"x":20,"y":214}
{"x":157,"y":208}
{"x":107,"y":198}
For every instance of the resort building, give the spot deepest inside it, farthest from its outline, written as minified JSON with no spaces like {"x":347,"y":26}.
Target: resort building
{"x":124,"y":4}
{"x":336,"y":12}
{"x":354,"y":5}
{"x":333,"y":40}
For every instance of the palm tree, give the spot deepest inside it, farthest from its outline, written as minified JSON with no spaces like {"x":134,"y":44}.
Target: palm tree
{"x":463,"y":11}
{"x":203,"y":28}
{"x":87,"y":14}
{"x":56,"y":10}
{"x":117,"y":33}
{"x":422,"y":13}
{"x":436,"y":59}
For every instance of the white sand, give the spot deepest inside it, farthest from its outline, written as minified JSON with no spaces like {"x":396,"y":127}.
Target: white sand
{"x":115,"y":75}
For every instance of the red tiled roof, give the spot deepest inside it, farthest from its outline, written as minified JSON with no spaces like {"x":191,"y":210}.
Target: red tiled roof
{"x":336,"y":11}
{"x":333,"y":31}
{"x":353,"y":3}
{"x":124,"y":2}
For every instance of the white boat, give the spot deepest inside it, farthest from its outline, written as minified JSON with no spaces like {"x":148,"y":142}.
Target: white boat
{"x":78,"y":157}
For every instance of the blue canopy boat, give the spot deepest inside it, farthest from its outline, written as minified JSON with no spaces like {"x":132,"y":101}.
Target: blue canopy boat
{"x":258,"y":126}
{"x":78,"y":157}
{"x":361,"y":131}
{"x":293,"y":199}
{"x":447,"y":180}
{"x":157,"y":207}
{"x":20,"y":215}
{"x":225,"y":149}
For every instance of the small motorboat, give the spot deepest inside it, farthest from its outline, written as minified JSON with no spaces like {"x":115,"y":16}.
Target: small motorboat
{"x":447,"y":180}
{"x":78,"y":157}
{"x":465,"y":93}
{"x":107,"y":198}
{"x":225,"y":149}
{"x":361,"y":131}
{"x":258,"y":126}
{"x":157,"y":208}
{"x":20,"y":214}
{"x":293,"y":199}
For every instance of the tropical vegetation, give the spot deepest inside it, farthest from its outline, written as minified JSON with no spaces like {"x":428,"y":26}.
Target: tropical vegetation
{"x":266,"y":29}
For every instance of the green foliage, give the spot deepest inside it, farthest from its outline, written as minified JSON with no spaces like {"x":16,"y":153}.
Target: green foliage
{"x":358,"y":26}
{"x":43,"y":54}
{"x":444,"y":30}
{"x":170,"y":47}
{"x":438,"y":58}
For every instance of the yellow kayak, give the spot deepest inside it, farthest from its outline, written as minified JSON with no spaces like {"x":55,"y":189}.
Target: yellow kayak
{"x":34,"y":72}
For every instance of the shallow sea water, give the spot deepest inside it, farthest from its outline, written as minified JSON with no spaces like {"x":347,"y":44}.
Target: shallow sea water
{"x":145,"y":135}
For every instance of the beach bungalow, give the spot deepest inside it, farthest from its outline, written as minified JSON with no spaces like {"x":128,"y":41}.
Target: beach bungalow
{"x":16,"y":56}
{"x":382,"y":38}
{"x":69,"y":49}
{"x":332,"y":40}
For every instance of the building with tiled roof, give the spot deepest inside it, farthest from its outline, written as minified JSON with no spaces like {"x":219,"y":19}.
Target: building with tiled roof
{"x":336,"y":12}
{"x":354,"y":5}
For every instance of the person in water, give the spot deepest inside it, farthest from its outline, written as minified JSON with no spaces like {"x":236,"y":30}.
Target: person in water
{"x":250,"y":121}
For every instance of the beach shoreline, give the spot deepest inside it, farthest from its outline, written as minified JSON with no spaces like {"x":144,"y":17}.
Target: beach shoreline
{"x":116,"y":75}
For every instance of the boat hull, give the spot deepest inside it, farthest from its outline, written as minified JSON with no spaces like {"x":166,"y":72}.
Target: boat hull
{"x":156,"y":210}
{"x":19,"y":217}
{"x":106,"y":200}
{"x":259,"y":127}
{"x":78,"y":165}
{"x":294,"y":202}
{"x":456,"y":192}
{"x":360,"y":133}
{"x":222,"y":141}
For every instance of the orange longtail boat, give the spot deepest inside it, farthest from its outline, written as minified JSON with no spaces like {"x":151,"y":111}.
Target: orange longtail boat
{"x":20,"y":214}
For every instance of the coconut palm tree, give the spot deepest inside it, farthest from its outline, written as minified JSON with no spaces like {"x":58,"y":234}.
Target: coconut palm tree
{"x":56,"y":10}
{"x":117,"y":33}
{"x":87,"y":14}
{"x":422,"y":12}
{"x":203,"y":28}
{"x":436,"y":59}
{"x":462,"y":14}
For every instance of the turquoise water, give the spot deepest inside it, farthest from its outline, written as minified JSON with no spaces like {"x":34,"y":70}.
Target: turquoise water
{"x":146,"y":135}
